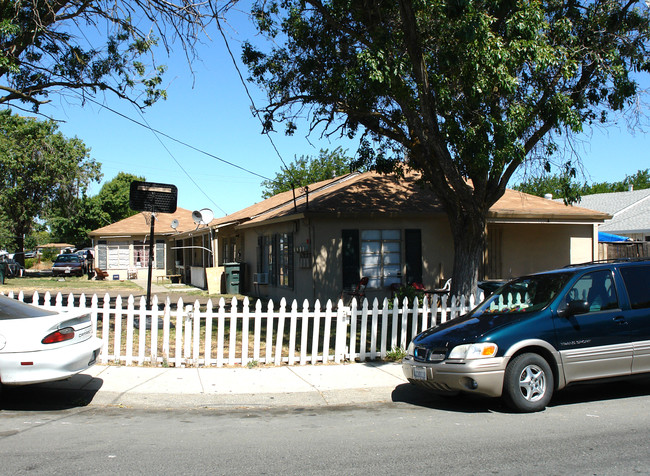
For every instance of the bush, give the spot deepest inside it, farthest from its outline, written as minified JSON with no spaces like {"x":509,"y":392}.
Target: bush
{"x":49,"y":254}
{"x":396,"y":354}
{"x":29,"y":262}
{"x":410,"y":292}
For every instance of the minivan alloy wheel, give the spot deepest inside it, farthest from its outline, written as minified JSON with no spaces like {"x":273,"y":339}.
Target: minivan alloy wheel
{"x":528,"y":383}
{"x":532,"y":383}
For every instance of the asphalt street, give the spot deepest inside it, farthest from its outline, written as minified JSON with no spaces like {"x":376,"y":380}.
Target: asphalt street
{"x":587,"y":430}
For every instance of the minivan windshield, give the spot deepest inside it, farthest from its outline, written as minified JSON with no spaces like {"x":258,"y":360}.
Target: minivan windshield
{"x":525,"y":294}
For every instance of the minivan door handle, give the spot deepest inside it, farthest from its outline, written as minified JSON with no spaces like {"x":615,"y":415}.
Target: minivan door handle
{"x":620,"y":320}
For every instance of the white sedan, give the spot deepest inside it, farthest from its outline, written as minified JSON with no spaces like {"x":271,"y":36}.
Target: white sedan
{"x":38,"y":345}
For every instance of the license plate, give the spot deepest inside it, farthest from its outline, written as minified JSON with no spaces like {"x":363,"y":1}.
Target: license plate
{"x":67,"y":271}
{"x":419,"y":373}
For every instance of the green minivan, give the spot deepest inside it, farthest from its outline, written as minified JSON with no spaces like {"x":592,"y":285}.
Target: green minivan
{"x":540,"y":333}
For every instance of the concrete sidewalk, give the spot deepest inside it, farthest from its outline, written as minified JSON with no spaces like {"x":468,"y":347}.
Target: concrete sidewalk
{"x":304,"y":386}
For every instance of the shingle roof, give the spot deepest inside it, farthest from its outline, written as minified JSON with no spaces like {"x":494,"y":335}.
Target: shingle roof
{"x":139,"y":224}
{"x":372,"y":194}
{"x":366,"y":194}
{"x":630,"y":210}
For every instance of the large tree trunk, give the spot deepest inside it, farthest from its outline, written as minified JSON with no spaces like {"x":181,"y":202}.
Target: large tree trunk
{"x":20,"y":244}
{"x":469,"y":233}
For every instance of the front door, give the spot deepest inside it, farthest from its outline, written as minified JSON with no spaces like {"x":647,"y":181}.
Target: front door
{"x":598,"y":343}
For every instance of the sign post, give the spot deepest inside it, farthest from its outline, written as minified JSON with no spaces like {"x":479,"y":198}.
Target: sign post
{"x":154,"y":198}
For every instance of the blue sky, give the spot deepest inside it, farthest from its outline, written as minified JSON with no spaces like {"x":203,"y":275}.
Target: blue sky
{"x":211,"y":111}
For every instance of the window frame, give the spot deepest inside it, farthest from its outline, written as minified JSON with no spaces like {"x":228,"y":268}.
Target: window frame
{"x":275,"y":257}
{"x":385,"y":253}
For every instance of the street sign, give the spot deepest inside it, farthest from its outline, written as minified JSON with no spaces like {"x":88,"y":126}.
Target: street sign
{"x":153,"y":197}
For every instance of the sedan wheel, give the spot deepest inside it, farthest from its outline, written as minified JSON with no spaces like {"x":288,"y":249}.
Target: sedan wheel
{"x":528,"y":384}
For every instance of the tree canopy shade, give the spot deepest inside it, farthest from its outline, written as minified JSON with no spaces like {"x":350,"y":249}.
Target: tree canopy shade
{"x":51,"y":46}
{"x":73,"y":222}
{"x":39,"y":167}
{"x":463,"y":91}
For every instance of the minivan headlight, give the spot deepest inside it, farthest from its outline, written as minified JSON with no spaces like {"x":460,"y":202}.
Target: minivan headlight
{"x":481,"y":350}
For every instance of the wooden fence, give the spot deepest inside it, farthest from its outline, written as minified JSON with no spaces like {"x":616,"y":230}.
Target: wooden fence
{"x":238,"y":334}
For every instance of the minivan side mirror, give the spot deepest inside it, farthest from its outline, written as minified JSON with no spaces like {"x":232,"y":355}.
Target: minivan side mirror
{"x":575,"y":307}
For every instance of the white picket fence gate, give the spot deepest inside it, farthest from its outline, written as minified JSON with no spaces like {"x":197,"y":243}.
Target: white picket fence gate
{"x":189,"y":335}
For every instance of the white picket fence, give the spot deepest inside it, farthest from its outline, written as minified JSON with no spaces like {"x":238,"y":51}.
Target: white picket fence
{"x":188,"y":335}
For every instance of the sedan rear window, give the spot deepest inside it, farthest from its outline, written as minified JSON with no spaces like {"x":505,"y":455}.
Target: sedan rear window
{"x":67,"y":259}
{"x":12,"y":309}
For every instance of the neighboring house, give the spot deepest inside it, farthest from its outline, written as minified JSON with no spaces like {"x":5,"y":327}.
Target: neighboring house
{"x":630,"y":212}
{"x":181,"y":248}
{"x":59,"y":247}
{"x":393,"y":231}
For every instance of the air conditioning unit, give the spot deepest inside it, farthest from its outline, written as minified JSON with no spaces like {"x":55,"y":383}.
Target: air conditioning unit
{"x":261,"y":278}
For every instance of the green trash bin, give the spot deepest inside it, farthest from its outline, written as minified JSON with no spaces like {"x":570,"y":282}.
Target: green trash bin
{"x":3,"y":271}
{"x":234,"y":278}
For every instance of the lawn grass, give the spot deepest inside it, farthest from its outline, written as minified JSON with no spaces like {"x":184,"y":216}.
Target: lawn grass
{"x":66,"y":284}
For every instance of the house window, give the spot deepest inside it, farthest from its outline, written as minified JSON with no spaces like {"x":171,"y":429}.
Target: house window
{"x":140,"y":254}
{"x":275,"y":257}
{"x":118,"y":255}
{"x":381,"y":257}
{"x":229,"y":250}
{"x":285,"y":260}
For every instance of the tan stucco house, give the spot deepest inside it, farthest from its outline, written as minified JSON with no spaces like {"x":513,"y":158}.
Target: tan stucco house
{"x":393,"y":231}
{"x":322,"y":239}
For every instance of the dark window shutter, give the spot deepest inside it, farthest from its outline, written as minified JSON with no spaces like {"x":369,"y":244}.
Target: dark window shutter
{"x":413,"y":255}
{"x":160,"y":254}
{"x":351,"y":256}
{"x":290,"y":258}
{"x":102,"y":255}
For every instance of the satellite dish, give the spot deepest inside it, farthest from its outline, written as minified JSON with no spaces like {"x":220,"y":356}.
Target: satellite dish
{"x":203,"y":216}
{"x":174,"y":224}
{"x":207,"y":215}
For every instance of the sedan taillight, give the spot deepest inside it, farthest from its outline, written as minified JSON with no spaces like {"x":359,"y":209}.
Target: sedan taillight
{"x":61,"y":335}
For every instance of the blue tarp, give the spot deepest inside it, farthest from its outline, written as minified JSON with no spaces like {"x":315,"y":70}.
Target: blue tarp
{"x":611,"y":238}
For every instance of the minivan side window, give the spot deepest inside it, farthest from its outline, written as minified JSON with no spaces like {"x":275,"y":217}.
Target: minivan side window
{"x":597,"y":289}
{"x":637,"y":283}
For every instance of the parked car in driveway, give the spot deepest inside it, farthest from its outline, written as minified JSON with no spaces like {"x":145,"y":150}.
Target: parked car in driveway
{"x":84,"y":262}
{"x":38,"y":345}
{"x":540,"y":333}
{"x":67,"y":264}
